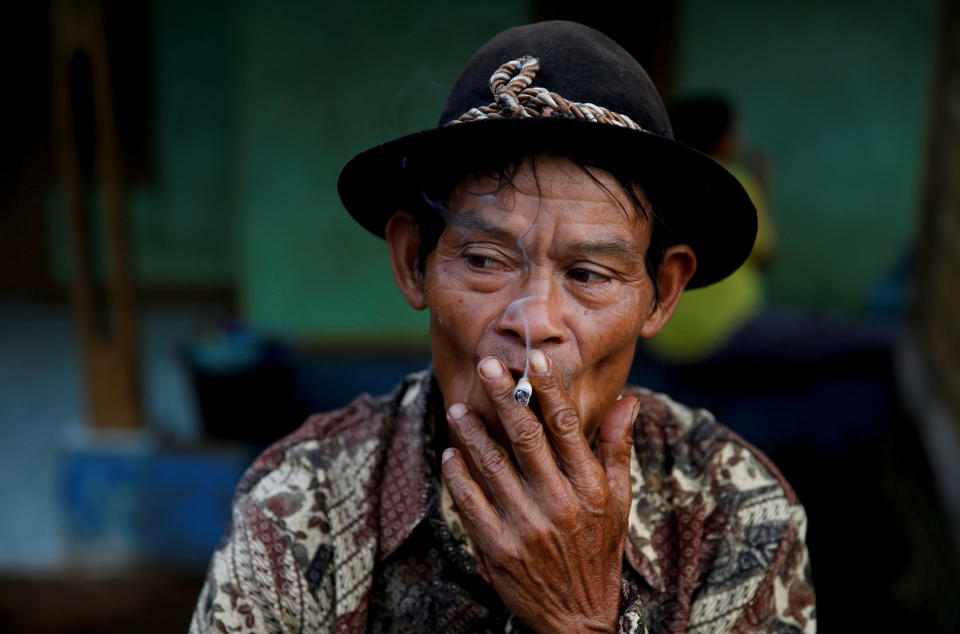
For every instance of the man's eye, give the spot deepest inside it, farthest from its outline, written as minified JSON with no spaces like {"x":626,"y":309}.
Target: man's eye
{"x":585,"y":276}
{"x":481,"y":261}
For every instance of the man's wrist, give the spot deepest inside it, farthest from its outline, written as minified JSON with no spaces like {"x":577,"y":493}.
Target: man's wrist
{"x":593,"y":626}
{"x":590,"y":625}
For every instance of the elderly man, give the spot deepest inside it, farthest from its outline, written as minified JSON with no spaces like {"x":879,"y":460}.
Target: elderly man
{"x":548,"y":222}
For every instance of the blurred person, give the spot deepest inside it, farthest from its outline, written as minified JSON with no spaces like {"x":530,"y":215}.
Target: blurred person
{"x":706,"y":320}
{"x":546,"y":224}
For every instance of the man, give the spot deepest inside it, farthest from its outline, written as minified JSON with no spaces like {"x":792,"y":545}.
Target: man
{"x":546,"y":224}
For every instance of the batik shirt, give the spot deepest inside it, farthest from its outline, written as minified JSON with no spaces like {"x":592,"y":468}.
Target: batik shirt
{"x":346,"y":526}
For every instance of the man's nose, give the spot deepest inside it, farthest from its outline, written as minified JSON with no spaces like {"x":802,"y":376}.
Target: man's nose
{"x":535,"y":319}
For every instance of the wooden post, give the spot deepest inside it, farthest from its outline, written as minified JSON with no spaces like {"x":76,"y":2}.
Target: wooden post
{"x":936,"y":310}
{"x":930,"y":353}
{"x":103,"y":304}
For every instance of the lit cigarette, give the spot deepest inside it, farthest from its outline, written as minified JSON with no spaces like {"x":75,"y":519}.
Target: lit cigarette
{"x":523,"y":391}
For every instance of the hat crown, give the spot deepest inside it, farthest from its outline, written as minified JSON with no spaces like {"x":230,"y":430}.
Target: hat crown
{"x":575,"y":61}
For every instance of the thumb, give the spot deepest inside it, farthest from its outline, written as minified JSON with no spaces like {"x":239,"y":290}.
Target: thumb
{"x":614,"y":444}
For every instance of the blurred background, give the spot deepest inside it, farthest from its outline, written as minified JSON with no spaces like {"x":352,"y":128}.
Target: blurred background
{"x":179,"y":284}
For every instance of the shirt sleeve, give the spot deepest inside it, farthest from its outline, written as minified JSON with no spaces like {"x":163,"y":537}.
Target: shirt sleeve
{"x":254,"y":582}
{"x":784,"y":601}
{"x":632,"y":621}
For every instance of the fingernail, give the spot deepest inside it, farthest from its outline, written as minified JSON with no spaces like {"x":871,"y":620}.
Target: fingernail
{"x":538,"y":361}
{"x":457,"y":410}
{"x":491,"y":368}
{"x":448,"y":453}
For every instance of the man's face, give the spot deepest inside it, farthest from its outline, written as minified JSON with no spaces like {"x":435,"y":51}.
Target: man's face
{"x":560,"y":269}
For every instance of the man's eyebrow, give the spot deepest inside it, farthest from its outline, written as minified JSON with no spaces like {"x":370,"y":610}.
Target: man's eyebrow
{"x":473,"y":221}
{"x":611,"y":247}
{"x":614,"y":247}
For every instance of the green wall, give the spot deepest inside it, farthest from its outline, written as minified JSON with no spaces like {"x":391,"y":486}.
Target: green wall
{"x":186,"y":222}
{"x":836,"y":93}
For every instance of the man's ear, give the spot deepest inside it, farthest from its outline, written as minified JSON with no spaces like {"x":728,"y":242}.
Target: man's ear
{"x":677,"y":267}
{"x":403,"y":238}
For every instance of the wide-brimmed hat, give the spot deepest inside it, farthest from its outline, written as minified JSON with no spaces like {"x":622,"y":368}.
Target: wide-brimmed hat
{"x":566,"y":88}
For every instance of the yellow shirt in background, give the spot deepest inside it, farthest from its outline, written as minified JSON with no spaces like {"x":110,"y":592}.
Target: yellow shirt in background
{"x":706,"y":318}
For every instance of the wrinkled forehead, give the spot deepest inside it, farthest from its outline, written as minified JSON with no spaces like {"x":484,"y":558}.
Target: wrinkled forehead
{"x":572,"y":191}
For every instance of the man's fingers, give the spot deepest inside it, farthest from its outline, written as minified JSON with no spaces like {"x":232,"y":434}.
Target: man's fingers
{"x":489,"y":462}
{"x":531,"y":447}
{"x":479,"y":518}
{"x":562,"y":419}
{"x":614,"y":445}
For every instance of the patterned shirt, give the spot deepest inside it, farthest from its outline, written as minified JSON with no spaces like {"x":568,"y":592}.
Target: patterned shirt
{"x":346,"y":526}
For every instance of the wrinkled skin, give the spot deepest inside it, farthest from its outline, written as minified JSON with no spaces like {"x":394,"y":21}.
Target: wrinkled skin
{"x":546,"y":513}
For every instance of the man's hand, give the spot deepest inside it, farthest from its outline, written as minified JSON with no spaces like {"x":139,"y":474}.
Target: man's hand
{"x":550,"y":531}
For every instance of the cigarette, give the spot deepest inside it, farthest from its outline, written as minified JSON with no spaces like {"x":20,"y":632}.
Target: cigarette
{"x":523,"y":391}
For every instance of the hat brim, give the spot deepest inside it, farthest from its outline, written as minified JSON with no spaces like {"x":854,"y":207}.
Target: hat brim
{"x":701,"y":202}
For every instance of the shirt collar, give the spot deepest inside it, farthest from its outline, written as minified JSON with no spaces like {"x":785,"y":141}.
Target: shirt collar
{"x":639,"y":551}
{"x":403,"y":493}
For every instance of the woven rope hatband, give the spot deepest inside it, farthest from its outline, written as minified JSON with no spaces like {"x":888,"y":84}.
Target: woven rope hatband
{"x":514,"y":97}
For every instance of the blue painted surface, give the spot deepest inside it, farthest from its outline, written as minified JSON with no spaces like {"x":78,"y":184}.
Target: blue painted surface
{"x":124,"y":504}
{"x":185,"y":503}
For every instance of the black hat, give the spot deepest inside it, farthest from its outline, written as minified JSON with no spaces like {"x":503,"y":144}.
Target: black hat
{"x":561,"y":86}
